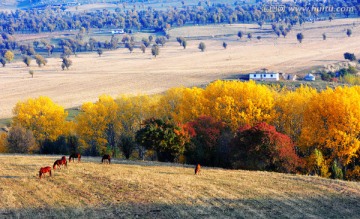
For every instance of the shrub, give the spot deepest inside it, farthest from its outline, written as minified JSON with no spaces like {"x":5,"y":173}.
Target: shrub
{"x":316,"y":164}
{"x":336,"y":171}
{"x":20,"y":140}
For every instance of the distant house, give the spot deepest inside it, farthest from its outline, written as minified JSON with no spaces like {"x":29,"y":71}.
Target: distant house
{"x":117,"y":31}
{"x":264,"y":76}
{"x":309,"y":77}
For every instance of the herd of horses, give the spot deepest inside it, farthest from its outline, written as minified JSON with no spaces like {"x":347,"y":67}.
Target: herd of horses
{"x":105,"y":158}
{"x":63,"y":162}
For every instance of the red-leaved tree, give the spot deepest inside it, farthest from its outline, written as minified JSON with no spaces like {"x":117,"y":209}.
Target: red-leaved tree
{"x":208,"y":143}
{"x":261,"y":147}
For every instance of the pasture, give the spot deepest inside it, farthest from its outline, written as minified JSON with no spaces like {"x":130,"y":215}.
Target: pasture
{"x":129,"y":189}
{"x":120,"y":72}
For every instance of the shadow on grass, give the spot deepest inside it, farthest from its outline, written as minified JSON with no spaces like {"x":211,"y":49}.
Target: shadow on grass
{"x":319,"y":207}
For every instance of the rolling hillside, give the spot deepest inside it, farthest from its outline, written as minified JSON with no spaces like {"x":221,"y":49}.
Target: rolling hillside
{"x":156,"y":190}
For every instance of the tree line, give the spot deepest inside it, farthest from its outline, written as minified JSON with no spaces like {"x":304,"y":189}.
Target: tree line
{"x":51,"y":19}
{"x":230,"y":124}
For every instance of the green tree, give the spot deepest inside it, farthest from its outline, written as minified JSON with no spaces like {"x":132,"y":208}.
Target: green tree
{"x":3,"y":61}
{"x":143,"y":48}
{"x":160,"y":40}
{"x":130,"y":46}
{"x":224,"y":45}
{"x":27,"y":60}
{"x":146,"y":42}
{"x":31,"y":72}
{"x":300,"y":37}
{"x":184,"y":44}
{"x":348,"y":32}
{"x":155,"y":50}
{"x":164,"y":137}
{"x":66,"y":63}
{"x":40,"y":60}
{"x":350,"y":56}
{"x":240,"y":34}
{"x":100,"y":51}
{"x":202,"y":46}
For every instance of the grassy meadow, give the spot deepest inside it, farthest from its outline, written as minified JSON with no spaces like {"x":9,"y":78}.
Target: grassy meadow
{"x":133,"y":189}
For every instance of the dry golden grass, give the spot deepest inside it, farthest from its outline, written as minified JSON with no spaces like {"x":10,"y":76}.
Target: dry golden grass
{"x":154,"y":190}
{"x":119,"y":72}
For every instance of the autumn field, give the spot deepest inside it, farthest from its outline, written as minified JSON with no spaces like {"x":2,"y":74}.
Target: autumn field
{"x":129,"y":189}
{"x":120,"y":72}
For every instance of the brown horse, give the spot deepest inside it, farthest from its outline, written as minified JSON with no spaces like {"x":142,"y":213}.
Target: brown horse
{"x":60,"y":162}
{"x":106,"y":157}
{"x":197,"y":169}
{"x":44,"y":170}
{"x":75,"y":155}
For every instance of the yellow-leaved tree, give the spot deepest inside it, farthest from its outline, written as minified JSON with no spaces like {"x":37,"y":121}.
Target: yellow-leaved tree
{"x":43,"y":117}
{"x":290,"y":107}
{"x":97,"y":125}
{"x":132,"y":112}
{"x":182,"y":104}
{"x":3,"y":137}
{"x":239,"y":103}
{"x":332,"y":125}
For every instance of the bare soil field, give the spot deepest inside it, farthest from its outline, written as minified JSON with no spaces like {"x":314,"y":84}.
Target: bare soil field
{"x":129,"y":189}
{"x":120,"y":72}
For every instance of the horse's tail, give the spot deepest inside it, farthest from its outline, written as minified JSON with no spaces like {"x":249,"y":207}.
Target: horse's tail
{"x":40,"y":174}
{"x":50,"y":172}
{"x":102,"y":160}
{"x":54,"y":166}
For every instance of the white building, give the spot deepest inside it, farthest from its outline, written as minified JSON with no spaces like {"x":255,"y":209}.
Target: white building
{"x":264,"y":76}
{"x":309,"y":77}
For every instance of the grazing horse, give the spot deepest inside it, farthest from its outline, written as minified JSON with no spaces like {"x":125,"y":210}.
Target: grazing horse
{"x":44,"y":170}
{"x":106,"y":157}
{"x":197,"y":169}
{"x":60,"y":162}
{"x":75,"y":155}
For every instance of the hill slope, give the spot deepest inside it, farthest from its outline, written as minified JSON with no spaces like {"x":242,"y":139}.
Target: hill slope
{"x":154,"y":190}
